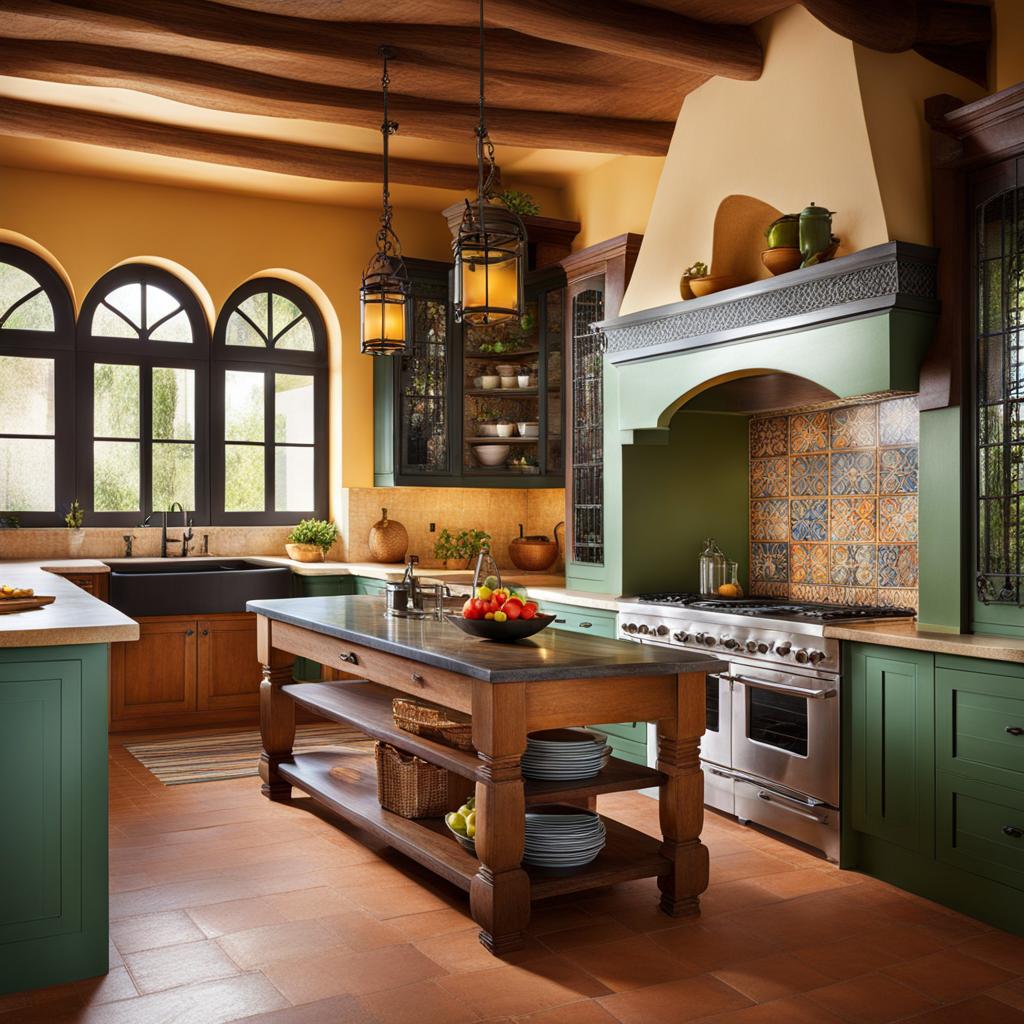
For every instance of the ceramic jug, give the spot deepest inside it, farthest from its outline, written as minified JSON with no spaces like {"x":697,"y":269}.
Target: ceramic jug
{"x":816,"y":238}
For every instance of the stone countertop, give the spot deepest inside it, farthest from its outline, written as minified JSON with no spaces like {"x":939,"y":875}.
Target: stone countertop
{"x":76,"y":617}
{"x":909,"y":635}
{"x":550,"y":654}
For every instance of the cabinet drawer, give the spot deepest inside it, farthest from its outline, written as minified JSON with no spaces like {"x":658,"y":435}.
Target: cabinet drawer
{"x":85,"y":582}
{"x":366,"y":586}
{"x":582,"y":620}
{"x":980,"y":828}
{"x":635,"y":731}
{"x":628,"y":750}
{"x":979,"y":722}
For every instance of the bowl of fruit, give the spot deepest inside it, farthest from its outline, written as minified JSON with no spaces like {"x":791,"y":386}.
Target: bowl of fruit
{"x":462,"y":824}
{"x":500,"y":613}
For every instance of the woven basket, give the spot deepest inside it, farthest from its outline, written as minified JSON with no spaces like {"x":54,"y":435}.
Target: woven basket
{"x":436,"y":723}
{"x":409,"y":786}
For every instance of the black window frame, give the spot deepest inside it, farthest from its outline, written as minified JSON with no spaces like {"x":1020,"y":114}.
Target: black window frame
{"x":269,"y":361}
{"x":58,"y":345}
{"x":147,"y":355}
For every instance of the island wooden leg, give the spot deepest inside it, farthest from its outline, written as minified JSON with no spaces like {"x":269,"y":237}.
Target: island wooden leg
{"x":499,"y":894}
{"x":682,"y":799}
{"x":277,"y":714}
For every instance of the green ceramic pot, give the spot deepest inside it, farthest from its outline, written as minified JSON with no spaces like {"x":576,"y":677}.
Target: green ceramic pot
{"x":784,"y":232}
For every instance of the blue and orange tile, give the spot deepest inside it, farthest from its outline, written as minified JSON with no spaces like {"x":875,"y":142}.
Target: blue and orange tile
{"x":808,"y":519}
{"x":853,"y":519}
{"x":808,"y":475}
{"x":808,"y":432}
{"x":856,"y":426}
{"x":854,"y":472}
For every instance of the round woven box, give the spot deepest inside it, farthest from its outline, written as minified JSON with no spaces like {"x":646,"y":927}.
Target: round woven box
{"x":389,"y":540}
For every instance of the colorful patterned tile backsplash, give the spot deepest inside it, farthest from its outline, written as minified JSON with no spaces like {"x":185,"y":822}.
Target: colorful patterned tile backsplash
{"x":833,"y":504}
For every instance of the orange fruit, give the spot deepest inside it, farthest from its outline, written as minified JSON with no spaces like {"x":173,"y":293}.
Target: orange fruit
{"x":728,"y":590}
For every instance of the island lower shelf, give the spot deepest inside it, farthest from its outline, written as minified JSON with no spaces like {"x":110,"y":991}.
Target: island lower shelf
{"x":628,"y":853}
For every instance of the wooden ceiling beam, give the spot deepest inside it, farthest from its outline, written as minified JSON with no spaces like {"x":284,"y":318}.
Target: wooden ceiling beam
{"x":637,"y":32}
{"x":25,"y":119}
{"x":218,"y":86}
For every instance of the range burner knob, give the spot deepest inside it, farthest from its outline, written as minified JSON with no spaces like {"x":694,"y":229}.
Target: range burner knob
{"x":802,"y":656}
{"x":662,"y":630}
{"x":682,"y":637}
{"x":730,"y":642}
{"x":815,"y":656}
{"x":762,"y":647}
{"x":705,"y":638}
{"x":752,"y":646}
{"x":784,"y":648}
{"x":643,"y":628}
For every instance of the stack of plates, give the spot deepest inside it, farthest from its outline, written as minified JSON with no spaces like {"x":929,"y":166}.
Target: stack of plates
{"x":558,"y":836}
{"x":562,"y":754}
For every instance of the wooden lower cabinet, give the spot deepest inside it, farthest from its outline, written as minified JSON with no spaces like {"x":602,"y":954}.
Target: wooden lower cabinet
{"x":184,"y":671}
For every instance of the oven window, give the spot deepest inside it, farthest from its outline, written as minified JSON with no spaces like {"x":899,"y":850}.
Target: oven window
{"x":778,"y":720}
{"x":711,"y":686}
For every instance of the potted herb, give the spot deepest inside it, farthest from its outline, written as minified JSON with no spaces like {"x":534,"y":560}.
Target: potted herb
{"x":457,"y":550}
{"x":73,"y":519}
{"x":519,"y":202}
{"x":311,"y":540}
{"x":487,"y":420}
{"x":697,"y":281}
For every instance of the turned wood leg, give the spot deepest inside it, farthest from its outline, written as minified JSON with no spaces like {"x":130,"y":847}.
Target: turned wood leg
{"x":277,"y":714}
{"x":499,"y":894}
{"x":681,"y":805}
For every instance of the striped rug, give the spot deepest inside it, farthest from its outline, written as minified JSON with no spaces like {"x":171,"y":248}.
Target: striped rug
{"x":232,"y":755}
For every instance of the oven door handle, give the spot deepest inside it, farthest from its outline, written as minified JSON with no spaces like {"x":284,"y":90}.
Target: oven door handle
{"x":765,"y":684}
{"x":792,"y":804}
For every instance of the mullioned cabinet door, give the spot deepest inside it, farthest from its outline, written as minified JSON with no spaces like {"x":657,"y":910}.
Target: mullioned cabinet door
{"x":890,"y":703}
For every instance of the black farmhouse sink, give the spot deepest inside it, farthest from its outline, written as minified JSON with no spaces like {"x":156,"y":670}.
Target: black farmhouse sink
{"x":193,"y":588}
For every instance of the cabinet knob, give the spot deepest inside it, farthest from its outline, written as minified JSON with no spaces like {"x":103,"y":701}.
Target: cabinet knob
{"x":1015,"y":730}
{"x":189,"y":632}
{"x":351,"y":658}
{"x":417,"y":679}
{"x":206,"y":632}
{"x":1012,"y":831}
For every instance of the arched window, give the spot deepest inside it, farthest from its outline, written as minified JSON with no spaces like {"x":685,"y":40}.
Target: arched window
{"x":37,"y":333}
{"x":269,"y":409}
{"x":143,"y":378}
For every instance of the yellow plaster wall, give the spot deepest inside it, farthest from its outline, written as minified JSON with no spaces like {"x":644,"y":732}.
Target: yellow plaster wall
{"x":826,"y":122}
{"x":91,"y":224}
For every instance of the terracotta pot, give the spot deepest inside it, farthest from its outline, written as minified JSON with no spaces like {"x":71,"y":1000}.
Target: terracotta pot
{"x":304,"y":552}
{"x":389,"y":540}
{"x":533,"y":554}
{"x":701,"y":286}
{"x":781,"y":260}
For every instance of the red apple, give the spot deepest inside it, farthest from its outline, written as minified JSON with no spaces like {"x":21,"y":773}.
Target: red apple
{"x":529,"y":610}
{"x":513,"y":608}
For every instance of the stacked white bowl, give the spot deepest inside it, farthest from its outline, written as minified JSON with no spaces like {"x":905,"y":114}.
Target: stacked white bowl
{"x":563,"y":754}
{"x":562,"y":837}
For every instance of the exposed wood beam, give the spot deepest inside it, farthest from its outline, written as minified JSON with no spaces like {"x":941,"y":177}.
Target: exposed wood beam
{"x":637,"y":32}
{"x":22,"y":118}
{"x":206,"y":84}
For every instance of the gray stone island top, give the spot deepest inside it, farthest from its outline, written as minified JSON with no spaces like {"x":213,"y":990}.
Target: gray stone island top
{"x":550,"y":654}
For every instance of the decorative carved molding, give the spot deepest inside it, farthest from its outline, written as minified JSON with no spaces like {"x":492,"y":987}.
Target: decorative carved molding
{"x":892,"y":275}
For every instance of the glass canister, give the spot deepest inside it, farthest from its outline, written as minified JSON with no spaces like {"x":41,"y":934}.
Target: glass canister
{"x":732,"y":587}
{"x":714,"y":568}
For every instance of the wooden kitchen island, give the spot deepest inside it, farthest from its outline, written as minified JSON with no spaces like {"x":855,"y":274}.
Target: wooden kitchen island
{"x":556,"y":679}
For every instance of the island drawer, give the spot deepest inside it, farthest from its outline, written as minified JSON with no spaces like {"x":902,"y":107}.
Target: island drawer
{"x":594,"y":621}
{"x":979,"y":721}
{"x":980,"y":828}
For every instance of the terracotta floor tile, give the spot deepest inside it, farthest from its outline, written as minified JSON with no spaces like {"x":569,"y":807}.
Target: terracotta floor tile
{"x":792,"y":1010}
{"x":397,"y":901}
{"x":1011,"y":993}
{"x":321,"y":901}
{"x":342,"y":973}
{"x":630,"y":963}
{"x":462,"y":951}
{"x":435,"y":922}
{"x":871,"y":999}
{"x":545,"y":919}
{"x":292,"y":939}
{"x":170,"y":966}
{"x":749,"y":864}
{"x":236,"y":916}
{"x":772,"y":977}
{"x":337,"y":1010}
{"x":575,"y":1013}
{"x":846,"y":958}
{"x":949,"y":975}
{"x":715,"y":943}
{"x":800,"y":882}
{"x":359,"y":930}
{"x":976,"y":1010}
{"x":729,"y":897}
{"x":1006,"y":951}
{"x":674,"y":1002}
{"x":597,"y":931}
{"x":425,"y":1003}
{"x":520,"y":990}
{"x":117,"y":984}
{"x":150,"y":931}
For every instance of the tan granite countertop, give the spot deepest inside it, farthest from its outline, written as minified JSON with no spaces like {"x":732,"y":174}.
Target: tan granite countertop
{"x":907,"y":634}
{"x":76,"y":617}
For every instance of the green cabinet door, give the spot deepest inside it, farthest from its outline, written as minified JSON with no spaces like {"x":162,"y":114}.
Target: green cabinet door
{"x":305,"y":670}
{"x":890,"y":729}
{"x":367,"y":586}
{"x":53,"y":846}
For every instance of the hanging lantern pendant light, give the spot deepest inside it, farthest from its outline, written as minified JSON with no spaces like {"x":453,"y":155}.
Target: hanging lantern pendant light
{"x":384,"y":296}
{"x":490,"y":247}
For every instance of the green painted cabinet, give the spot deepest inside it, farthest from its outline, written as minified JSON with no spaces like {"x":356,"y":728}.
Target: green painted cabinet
{"x":368,"y":586}
{"x":305,"y":670}
{"x":628,"y":740}
{"x":53,"y":847}
{"x":890,"y":699}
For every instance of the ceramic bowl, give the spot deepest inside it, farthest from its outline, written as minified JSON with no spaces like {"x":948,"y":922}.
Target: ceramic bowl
{"x":464,"y":841}
{"x":490,"y":381}
{"x":508,"y":382}
{"x":781,"y":260}
{"x":529,"y":429}
{"x":487,"y":429}
{"x":523,"y":379}
{"x":506,"y":429}
{"x":503,"y":632}
{"x":507,"y":369}
{"x":491,"y":454}
{"x":712,"y":283}
{"x":478,"y":382}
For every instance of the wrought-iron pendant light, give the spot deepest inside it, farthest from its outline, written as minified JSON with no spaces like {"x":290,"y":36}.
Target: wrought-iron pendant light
{"x":384,"y":295}
{"x":490,"y":248}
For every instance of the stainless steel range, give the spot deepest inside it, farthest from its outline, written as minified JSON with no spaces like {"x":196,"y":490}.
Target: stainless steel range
{"x":771,"y":750}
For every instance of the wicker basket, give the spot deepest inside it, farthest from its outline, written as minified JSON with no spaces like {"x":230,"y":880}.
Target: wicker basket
{"x":436,"y":723}
{"x":409,"y":786}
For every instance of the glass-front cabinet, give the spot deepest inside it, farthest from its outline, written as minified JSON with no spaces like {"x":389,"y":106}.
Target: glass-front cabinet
{"x":473,"y":405}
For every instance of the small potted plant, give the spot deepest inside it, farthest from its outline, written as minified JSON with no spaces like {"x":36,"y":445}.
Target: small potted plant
{"x":519,"y":202}
{"x":311,"y":540}
{"x":457,"y":550}
{"x":487,"y":420}
{"x":73,"y":519}
{"x":697,"y":281}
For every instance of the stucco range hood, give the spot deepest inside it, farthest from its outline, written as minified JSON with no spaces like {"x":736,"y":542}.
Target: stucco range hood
{"x":856,"y":325}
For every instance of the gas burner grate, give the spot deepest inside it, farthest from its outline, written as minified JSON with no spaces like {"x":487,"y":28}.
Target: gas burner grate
{"x":776,"y":609}
{"x":683,"y":600}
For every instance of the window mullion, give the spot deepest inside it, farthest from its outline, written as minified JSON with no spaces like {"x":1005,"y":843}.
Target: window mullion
{"x":270,"y":498}
{"x":145,"y":432}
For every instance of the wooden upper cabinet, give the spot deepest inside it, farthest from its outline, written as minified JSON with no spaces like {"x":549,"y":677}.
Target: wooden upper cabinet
{"x":596,"y":280}
{"x":229,"y":673}
{"x":156,"y":674}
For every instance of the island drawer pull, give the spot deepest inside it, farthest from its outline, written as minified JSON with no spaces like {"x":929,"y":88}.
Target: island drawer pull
{"x":418,"y":679}
{"x":586,"y":625}
{"x":1012,"y":831}
{"x":1015,"y":730}
{"x":352,"y":658}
